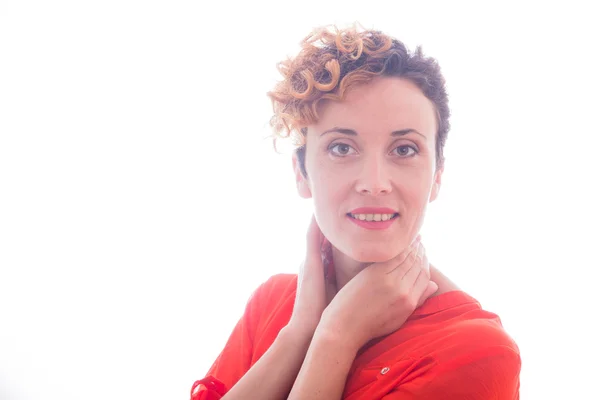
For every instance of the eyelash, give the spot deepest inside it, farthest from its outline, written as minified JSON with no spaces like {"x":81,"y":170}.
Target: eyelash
{"x":413,"y":148}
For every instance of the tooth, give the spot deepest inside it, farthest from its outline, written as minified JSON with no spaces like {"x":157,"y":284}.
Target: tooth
{"x":385,"y":217}
{"x":377,"y":217}
{"x":362,"y":217}
{"x":369,"y":217}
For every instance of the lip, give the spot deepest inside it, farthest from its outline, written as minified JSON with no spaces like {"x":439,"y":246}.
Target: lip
{"x":373,"y":210}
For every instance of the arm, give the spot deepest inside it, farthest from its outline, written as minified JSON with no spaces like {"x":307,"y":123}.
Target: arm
{"x":325,"y":368}
{"x":273,"y":375}
{"x":375,"y":303}
{"x":234,"y":375}
{"x":490,"y":374}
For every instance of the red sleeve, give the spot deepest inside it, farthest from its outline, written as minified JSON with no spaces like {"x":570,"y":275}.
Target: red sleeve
{"x":492,"y":374}
{"x":236,"y":357}
{"x":208,"y":388}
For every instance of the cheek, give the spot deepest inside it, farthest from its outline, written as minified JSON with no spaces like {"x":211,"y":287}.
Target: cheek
{"x":330,"y":196}
{"x":328,"y":185}
{"x":414,"y":198}
{"x":416,"y":187}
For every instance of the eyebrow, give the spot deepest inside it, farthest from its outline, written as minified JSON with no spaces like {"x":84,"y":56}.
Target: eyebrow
{"x":352,"y":132}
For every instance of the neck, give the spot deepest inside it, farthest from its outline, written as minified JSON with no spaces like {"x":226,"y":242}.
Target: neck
{"x":346,"y":268}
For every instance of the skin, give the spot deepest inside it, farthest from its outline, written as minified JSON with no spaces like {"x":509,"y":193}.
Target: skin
{"x":381,"y":276}
{"x":372,"y":168}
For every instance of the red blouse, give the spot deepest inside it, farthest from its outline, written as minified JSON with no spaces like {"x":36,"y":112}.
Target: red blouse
{"x":449,"y":348}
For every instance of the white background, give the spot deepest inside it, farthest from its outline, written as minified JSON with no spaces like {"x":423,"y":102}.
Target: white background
{"x":140,"y":204}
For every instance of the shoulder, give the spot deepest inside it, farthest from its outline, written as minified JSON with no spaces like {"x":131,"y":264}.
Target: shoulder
{"x":482,"y":332}
{"x":277,"y":285}
{"x":470,"y":333}
{"x":461,"y":351}
{"x":477,"y":350}
{"x":282,"y":281}
{"x":474,"y":343}
{"x":473,"y":358}
{"x":274,"y":296}
{"x":486,"y":357}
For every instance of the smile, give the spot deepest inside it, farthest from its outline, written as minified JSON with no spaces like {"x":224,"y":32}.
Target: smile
{"x":373,"y":217}
{"x":373,"y":221}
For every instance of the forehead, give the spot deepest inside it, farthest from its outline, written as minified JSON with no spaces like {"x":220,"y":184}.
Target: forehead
{"x":381,"y":106}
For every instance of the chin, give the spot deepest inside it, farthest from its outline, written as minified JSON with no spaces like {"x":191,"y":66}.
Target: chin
{"x":377,"y":251}
{"x":373,"y":255}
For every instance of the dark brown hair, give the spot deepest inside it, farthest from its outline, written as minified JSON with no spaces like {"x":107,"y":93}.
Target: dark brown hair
{"x":332,"y":60}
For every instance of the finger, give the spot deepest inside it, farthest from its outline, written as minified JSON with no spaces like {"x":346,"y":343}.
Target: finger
{"x":425,"y":263}
{"x":422,"y":281}
{"x":414,"y":259}
{"x":406,"y":256}
{"x":424,"y":287}
{"x":413,"y":267}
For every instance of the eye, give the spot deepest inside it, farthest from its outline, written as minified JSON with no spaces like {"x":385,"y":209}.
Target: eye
{"x":341,"y":149}
{"x":405,"y":151}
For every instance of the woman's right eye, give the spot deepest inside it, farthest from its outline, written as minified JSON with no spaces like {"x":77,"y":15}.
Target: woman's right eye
{"x":341,"y":149}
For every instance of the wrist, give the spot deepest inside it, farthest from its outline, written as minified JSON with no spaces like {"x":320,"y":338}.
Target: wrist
{"x":296,"y":334}
{"x":331,"y":334}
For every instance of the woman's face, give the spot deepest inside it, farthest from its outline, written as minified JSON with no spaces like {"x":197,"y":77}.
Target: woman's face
{"x":376,"y":149}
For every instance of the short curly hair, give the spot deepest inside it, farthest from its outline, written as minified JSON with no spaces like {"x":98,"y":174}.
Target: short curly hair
{"x":331,"y":61}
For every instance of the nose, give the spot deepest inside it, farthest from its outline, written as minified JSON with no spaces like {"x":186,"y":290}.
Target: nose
{"x":374,"y":178}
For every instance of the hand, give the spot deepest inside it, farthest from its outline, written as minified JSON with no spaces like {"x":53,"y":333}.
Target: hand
{"x":380,"y":298}
{"x":313,"y":293}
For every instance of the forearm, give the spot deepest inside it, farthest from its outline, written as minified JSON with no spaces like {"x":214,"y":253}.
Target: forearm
{"x":325,"y":369}
{"x":273,"y":375}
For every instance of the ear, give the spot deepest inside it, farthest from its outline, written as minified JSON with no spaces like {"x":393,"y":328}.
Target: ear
{"x":301,"y":181}
{"x":437,"y":182}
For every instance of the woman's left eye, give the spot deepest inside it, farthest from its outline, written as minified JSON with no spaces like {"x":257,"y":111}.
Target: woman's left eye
{"x":405,"y":151}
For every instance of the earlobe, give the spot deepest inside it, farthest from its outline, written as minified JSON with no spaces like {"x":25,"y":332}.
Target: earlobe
{"x":301,"y":181}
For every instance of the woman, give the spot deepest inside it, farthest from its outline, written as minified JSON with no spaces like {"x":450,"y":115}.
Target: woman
{"x":367,"y":317}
